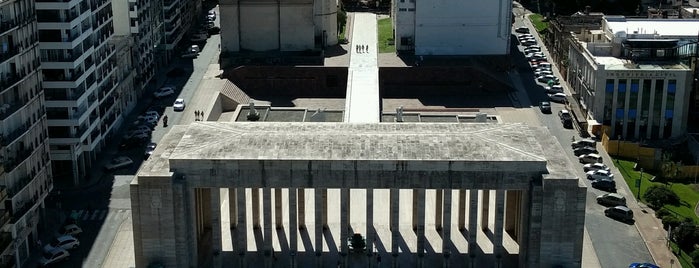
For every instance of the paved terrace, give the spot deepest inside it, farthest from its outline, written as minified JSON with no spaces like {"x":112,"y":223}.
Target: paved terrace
{"x":363,"y":99}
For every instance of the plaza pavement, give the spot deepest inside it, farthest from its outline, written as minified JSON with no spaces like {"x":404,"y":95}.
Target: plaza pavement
{"x":121,"y":253}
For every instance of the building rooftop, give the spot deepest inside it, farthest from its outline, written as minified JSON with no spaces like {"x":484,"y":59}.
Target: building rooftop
{"x":661,"y":27}
{"x":613,"y":63}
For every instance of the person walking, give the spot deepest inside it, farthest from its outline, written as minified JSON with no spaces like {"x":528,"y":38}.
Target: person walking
{"x":196,"y":115}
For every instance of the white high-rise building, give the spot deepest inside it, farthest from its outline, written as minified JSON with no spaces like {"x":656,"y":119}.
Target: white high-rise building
{"x":25,"y":169}
{"x":78,"y":63}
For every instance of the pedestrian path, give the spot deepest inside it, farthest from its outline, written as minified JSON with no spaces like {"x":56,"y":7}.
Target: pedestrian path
{"x":100,"y":214}
{"x":362,"y":104}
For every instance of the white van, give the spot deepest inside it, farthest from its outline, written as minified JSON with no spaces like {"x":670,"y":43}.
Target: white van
{"x":590,"y":158}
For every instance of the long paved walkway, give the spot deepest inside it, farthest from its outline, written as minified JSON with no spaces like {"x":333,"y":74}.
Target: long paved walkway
{"x":362,"y":104}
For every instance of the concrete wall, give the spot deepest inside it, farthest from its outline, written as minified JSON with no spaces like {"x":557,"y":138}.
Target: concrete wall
{"x":289,"y":25}
{"x":439,"y":81}
{"x":290,"y":81}
{"x":457,"y":27}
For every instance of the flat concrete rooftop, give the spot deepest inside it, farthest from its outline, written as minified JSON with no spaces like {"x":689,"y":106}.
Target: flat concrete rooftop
{"x":486,"y":146}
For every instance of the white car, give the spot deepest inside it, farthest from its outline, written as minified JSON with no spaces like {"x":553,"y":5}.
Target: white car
{"x":554,"y":89}
{"x":63,"y":242}
{"x":558,"y":97}
{"x":118,"y":162}
{"x":54,"y":256}
{"x":543,"y":72}
{"x":71,"y":229}
{"x":178,"y":105}
{"x":164,"y":92}
{"x":599,"y":175}
{"x":531,"y":50}
{"x":149,"y":116}
{"x":141,"y":128}
{"x":595,"y":166}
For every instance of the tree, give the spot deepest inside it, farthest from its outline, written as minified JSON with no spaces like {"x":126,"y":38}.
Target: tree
{"x":341,"y":19}
{"x":358,"y":243}
{"x":695,"y":257}
{"x":659,"y":195}
{"x":685,"y":235}
{"x":669,"y":168}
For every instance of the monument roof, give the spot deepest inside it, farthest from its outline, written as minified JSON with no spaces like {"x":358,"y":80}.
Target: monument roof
{"x":342,"y":141}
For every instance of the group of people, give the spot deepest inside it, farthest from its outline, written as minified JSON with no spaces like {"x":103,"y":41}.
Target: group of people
{"x":198,"y":115}
{"x":362,"y":48}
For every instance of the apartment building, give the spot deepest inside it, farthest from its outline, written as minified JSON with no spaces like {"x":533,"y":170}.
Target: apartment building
{"x":452,"y":27}
{"x":25,"y":169}
{"x":178,"y":17}
{"x":78,"y":63}
{"x":143,"y":21}
{"x":631,"y":76}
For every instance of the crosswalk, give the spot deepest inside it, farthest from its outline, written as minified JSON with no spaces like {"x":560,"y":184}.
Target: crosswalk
{"x":100,"y":214}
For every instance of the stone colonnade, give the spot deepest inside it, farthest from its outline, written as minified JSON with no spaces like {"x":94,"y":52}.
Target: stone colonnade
{"x":508,"y":217}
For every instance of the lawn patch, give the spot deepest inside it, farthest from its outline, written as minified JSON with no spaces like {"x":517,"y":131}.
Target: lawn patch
{"x":539,"y":22}
{"x":386,"y":42}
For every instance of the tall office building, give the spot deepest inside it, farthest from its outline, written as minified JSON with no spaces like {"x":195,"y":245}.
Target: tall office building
{"x":78,"y":63}
{"x":25,"y":169}
{"x":178,"y":16}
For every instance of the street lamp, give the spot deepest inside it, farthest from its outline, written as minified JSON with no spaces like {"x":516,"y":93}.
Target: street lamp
{"x":618,"y":147}
{"x":638,"y":183}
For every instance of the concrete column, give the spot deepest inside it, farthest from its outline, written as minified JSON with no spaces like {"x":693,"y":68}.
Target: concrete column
{"x":420,"y":232}
{"x":267,"y":232}
{"x":439,"y":205}
{"x":485,"y":209}
{"x":462,"y":209}
{"x":324,"y":193}
{"x":301,"y":196}
{"x":241,"y":244}
{"x":233,"y":207}
{"x":255,"y":196}
{"x":415,"y":209}
{"x":318,"y":199}
{"x":394,"y":219}
{"x":499,"y":219}
{"x":369,"y":222}
{"x":344,"y":220}
{"x":278,"y":216}
{"x":446,"y":229}
{"x":293,"y":225}
{"x":472,"y":220}
{"x":215,"y":203}
{"x":512,"y":212}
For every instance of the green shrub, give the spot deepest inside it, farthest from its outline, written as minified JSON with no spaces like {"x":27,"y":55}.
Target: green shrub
{"x":695,"y":257}
{"x":659,"y":195}
{"x":661,"y":213}
{"x":670,"y":220}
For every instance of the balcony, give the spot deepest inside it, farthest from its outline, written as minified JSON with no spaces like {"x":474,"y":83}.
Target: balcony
{"x":69,"y":78}
{"x":12,"y":162}
{"x":12,"y":136}
{"x":5,"y":242}
{"x":8,"y":25}
{"x":10,"y":53}
{"x":4,"y":216}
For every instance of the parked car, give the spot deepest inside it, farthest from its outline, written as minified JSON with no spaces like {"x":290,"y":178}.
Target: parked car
{"x":178,"y":105}
{"x":543,"y":72}
{"x":131,"y":143}
{"x":620,"y":213}
{"x":149,"y":113}
{"x":63,"y":242}
{"x":558,"y":97}
{"x":590,"y":158}
{"x":137,"y":134}
{"x":164,"y":92}
{"x":599,"y":174}
{"x":532,"y":49}
{"x":198,"y":37}
{"x":584,"y":150}
{"x":525,"y":36}
{"x":118,"y":162}
{"x":566,"y":118}
{"x":149,"y":149}
{"x":141,"y":128}
{"x":545,"y":65}
{"x":547,"y":78}
{"x":643,"y":265}
{"x":554,"y":89}
{"x":611,"y":199}
{"x":522,"y":30}
{"x":605,"y":185}
{"x":545,"y":107}
{"x":595,"y":166}
{"x":54,"y":256}
{"x":583,"y":143}
{"x":71,"y":229}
